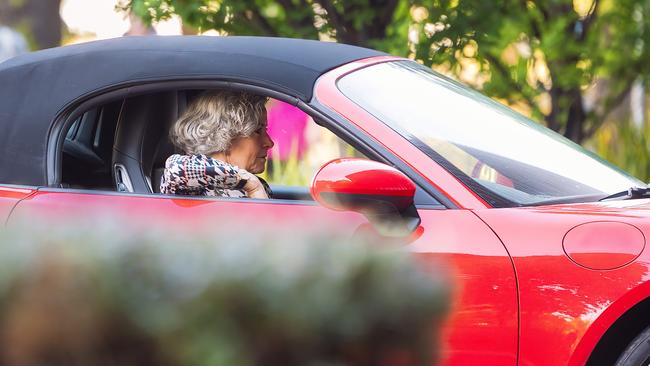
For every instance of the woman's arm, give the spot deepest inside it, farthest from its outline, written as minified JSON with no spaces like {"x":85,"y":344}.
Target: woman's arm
{"x":196,"y":174}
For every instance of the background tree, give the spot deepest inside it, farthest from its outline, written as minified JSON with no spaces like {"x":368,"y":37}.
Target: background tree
{"x":568,"y":63}
{"x":38,"y":20}
{"x":380,"y":24}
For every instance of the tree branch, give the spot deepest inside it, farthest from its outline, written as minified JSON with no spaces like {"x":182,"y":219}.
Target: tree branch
{"x":11,"y":14}
{"x":305,"y":21}
{"x":534,"y":25}
{"x":263,"y":23}
{"x":551,"y":119}
{"x":589,"y":19}
{"x":386,"y":15}
{"x":545,"y":13}
{"x":286,"y":4}
{"x":592,"y":14}
{"x":557,"y":94}
{"x":610,"y":105}
{"x":503,"y":70}
{"x":335,"y":18}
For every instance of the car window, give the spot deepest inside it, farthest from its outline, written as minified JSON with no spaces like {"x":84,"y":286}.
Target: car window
{"x":86,"y":152}
{"x":505,"y":158}
{"x":123,"y":146}
{"x":88,"y":155}
{"x":301,"y":146}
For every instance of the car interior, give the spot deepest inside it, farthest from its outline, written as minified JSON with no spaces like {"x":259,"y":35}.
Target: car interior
{"x":123,"y":145}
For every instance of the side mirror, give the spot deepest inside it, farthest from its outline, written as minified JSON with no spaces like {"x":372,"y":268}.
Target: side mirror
{"x":380,"y":192}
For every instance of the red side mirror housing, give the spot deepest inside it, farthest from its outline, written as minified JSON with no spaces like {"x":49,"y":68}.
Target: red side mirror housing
{"x":380,"y":192}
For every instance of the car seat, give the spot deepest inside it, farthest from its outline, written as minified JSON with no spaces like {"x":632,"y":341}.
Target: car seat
{"x":141,"y":141}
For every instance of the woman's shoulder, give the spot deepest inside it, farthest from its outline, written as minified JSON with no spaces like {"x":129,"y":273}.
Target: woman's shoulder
{"x":194,"y":159}
{"x":175,"y":159}
{"x":197,"y":158}
{"x":201,"y":166}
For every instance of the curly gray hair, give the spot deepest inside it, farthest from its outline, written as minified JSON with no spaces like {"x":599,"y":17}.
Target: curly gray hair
{"x":215,"y":118}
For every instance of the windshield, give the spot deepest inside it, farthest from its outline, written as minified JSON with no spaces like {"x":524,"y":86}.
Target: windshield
{"x":505,"y":158}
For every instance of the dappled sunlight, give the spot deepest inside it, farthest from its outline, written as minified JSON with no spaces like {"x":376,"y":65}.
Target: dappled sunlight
{"x":99,"y":19}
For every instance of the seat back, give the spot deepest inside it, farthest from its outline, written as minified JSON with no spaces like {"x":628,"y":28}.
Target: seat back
{"x":141,"y":140}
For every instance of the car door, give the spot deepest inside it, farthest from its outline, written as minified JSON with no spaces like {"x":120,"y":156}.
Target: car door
{"x":482,"y":322}
{"x":9,"y":197}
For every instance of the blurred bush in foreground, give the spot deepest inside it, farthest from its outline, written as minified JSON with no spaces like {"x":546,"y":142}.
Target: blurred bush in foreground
{"x":114,"y":296}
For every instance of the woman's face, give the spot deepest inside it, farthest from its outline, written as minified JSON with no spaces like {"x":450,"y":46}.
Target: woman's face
{"x":250,"y":152}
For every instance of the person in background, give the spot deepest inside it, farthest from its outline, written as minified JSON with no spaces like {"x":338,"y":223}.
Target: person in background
{"x":225,"y":140}
{"x":12,"y":43}
{"x":287,"y":125}
{"x":138,"y":27}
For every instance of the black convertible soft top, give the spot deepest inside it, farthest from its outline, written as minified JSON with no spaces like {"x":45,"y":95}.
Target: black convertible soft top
{"x":35,"y":87}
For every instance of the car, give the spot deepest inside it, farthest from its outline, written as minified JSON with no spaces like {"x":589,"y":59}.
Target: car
{"x":546,"y":242}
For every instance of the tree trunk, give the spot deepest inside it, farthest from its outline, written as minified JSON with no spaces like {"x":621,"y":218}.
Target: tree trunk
{"x":552,"y":118}
{"x":374,"y":29}
{"x":38,"y":19}
{"x":575,"y":118}
{"x":568,"y":115}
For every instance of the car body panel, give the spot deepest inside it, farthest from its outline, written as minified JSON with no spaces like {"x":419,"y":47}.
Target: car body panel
{"x":482,"y":326}
{"x":483,"y":321}
{"x":328,"y":94}
{"x":565,"y":307}
{"x":557,"y":327}
{"x":9,"y":197}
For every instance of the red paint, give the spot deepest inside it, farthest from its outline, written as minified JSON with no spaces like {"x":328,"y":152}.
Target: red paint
{"x":592,"y":244}
{"x":327,"y":93}
{"x":482,"y":326}
{"x":361,"y":176}
{"x":9,"y":196}
{"x":565,"y":308}
{"x":10,"y":192}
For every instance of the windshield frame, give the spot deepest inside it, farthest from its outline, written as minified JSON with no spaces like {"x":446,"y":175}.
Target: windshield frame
{"x":489,"y":196}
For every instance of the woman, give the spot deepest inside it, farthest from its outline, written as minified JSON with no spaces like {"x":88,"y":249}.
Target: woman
{"x":225,"y":140}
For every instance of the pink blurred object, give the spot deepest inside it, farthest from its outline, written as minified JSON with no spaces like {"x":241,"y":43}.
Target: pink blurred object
{"x":287,"y":129}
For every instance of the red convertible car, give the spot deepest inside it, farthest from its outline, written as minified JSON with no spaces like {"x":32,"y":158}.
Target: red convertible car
{"x":546,"y":242}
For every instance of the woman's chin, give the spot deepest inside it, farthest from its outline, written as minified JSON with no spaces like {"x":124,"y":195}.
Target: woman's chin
{"x":258,"y":167}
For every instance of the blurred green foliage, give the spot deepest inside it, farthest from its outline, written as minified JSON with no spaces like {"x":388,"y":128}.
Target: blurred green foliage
{"x":545,"y":55}
{"x":225,"y":295}
{"x":566,"y":63}
{"x":381,"y":24}
{"x":626,"y":146}
{"x":539,"y":55}
{"x":293,"y":171}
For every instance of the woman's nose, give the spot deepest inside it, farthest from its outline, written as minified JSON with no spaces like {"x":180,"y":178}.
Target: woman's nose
{"x":268,"y":143}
